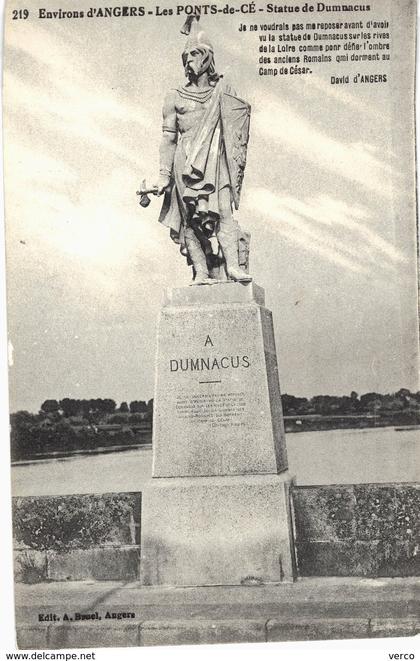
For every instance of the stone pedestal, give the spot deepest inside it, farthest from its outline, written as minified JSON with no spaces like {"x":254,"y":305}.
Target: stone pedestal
{"x":217,"y":509}
{"x":229,"y":530}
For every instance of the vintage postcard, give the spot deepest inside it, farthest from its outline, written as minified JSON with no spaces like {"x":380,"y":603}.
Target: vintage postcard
{"x":212,"y":321}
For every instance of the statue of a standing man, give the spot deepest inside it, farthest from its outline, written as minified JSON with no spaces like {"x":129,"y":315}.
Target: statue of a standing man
{"x":202,"y":163}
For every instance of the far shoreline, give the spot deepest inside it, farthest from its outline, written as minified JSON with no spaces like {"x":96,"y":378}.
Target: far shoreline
{"x":46,"y":457}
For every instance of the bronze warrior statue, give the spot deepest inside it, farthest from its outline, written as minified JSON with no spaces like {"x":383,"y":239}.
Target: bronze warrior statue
{"x":202,"y":163}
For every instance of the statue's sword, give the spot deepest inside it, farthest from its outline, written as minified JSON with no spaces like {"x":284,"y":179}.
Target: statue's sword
{"x":144,"y":193}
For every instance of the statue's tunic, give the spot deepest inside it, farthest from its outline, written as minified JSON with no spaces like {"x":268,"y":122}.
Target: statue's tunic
{"x":200,"y":169}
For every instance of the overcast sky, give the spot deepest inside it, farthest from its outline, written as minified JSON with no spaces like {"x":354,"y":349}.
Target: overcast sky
{"x":327,"y":197}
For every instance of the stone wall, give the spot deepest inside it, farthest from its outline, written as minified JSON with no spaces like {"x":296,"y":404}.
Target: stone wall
{"x":77,"y":537}
{"x":358,"y":530}
{"x":353,"y":530}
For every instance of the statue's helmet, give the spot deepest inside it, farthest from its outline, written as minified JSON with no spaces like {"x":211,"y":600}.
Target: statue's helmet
{"x":199,"y":41}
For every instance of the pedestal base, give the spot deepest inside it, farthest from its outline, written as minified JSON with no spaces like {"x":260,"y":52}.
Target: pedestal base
{"x":232,"y":530}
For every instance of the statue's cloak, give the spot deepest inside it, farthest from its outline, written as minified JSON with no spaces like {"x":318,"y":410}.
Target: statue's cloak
{"x":207,"y":161}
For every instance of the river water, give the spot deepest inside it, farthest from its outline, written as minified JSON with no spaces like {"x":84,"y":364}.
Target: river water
{"x":342,"y":456}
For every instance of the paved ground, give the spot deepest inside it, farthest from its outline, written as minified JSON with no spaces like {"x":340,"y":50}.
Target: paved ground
{"x":311,"y":608}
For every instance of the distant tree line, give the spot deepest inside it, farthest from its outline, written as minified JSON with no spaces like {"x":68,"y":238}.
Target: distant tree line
{"x":92,"y":407}
{"x":369,"y":403}
{"x":68,"y":425}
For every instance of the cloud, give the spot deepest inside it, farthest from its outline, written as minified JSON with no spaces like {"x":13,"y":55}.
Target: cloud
{"x":64,"y":97}
{"x":339,"y":216}
{"x":76,"y":163}
{"x":24,"y":162}
{"x":327,"y":227}
{"x":343,"y":96}
{"x":357,"y":162}
{"x":76,"y":113}
{"x":92,"y":220}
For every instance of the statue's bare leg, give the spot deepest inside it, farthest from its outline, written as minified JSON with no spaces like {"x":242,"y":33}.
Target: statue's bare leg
{"x":228,"y":238}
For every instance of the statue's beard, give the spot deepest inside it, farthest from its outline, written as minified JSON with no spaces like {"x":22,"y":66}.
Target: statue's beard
{"x":193,"y":74}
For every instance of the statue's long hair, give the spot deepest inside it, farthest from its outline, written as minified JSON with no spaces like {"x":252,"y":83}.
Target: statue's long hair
{"x":208,"y":63}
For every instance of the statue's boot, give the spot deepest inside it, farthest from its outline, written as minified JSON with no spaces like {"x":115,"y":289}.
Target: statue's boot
{"x":230,"y":252}
{"x":198,"y":259}
{"x":202,"y":278}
